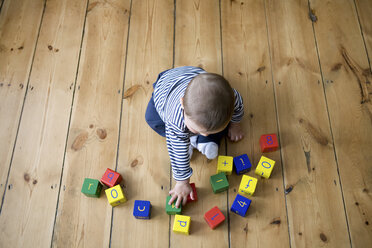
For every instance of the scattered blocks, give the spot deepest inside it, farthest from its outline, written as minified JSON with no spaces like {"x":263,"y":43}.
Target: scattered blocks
{"x":111,"y":178}
{"x":91,"y":188}
{"x":242,"y":164}
{"x":214,"y":217}
{"x":269,"y":143}
{"x":225,"y":164}
{"x":171,"y":209}
{"x":248,"y":185}
{"x":219,"y":182}
{"x":240,"y":205}
{"x":115,"y":195}
{"x":181,"y":224}
{"x":142,"y":209}
{"x":265,"y":167}
{"x":194,"y":191}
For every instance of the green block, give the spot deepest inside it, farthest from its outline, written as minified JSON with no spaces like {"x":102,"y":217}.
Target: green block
{"x":219,"y":182}
{"x":171,"y":209}
{"x":91,"y":187}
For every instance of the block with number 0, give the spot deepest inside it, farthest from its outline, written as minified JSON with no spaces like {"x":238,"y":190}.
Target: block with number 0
{"x":269,"y":143}
{"x":265,"y":167}
{"x":240,"y":205}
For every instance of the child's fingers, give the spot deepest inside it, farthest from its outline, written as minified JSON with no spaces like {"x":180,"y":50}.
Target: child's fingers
{"x":178,"y":203}
{"x":192,"y":195}
{"x":184,"y":201}
{"x":172,"y":199}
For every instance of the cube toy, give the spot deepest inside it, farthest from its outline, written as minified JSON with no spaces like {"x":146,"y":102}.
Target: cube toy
{"x":171,"y":209}
{"x":265,"y":167}
{"x":219,"y":182}
{"x":242,"y":164}
{"x":240,"y":205}
{"x":214,"y":217}
{"x":225,"y":164}
{"x":91,"y":188}
{"x":181,"y":224}
{"x":111,"y":178}
{"x":194,"y":191}
{"x":142,"y":209}
{"x":269,"y":143}
{"x":115,"y":195}
{"x":248,"y":185}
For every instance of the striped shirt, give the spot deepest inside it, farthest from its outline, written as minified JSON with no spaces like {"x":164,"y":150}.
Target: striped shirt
{"x":169,"y":89}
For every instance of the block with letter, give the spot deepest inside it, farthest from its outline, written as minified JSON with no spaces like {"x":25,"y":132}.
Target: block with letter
{"x":225,"y":164}
{"x":91,"y":187}
{"x":214,"y":217}
{"x":195,"y":194}
{"x":181,"y":224}
{"x":115,"y":195}
{"x":269,"y":142}
{"x":247,"y":185}
{"x":242,"y":164}
{"x":142,"y":209}
{"x":219,"y":182}
{"x":265,"y":167}
{"x":171,"y":209}
{"x":111,"y":178}
{"x":240,"y":205}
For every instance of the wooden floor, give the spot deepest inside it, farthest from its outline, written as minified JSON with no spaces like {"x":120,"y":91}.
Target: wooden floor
{"x":75,"y":80}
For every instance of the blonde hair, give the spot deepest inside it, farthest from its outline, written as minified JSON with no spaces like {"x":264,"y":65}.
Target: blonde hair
{"x":209,"y":101}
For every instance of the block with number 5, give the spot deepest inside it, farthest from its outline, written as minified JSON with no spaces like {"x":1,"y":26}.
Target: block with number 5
{"x":240,"y":205}
{"x":269,"y":143}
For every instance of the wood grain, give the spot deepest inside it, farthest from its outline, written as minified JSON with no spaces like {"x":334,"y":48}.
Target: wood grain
{"x":83,"y":221}
{"x":38,"y":157}
{"x":347,"y":83}
{"x":19,"y":27}
{"x":247,"y":66}
{"x":315,"y":207}
{"x":143,"y":157}
{"x":364,"y":10}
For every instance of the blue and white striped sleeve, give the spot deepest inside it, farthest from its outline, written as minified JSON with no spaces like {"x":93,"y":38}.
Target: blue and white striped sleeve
{"x":238,"y":108}
{"x":178,"y":146}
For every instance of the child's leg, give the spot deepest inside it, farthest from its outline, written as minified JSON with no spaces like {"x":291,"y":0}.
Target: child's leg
{"x":153,"y":119}
{"x":208,"y":145}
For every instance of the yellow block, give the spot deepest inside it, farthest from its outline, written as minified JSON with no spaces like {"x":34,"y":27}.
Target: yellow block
{"x":265,"y":167}
{"x":181,"y":224}
{"x":225,"y":164}
{"x":115,"y":195}
{"x":248,"y":185}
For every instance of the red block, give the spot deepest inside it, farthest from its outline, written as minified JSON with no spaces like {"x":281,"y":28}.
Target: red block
{"x":269,"y":143}
{"x":111,"y":178}
{"x":214,"y":217}
{"x":195,"y":195}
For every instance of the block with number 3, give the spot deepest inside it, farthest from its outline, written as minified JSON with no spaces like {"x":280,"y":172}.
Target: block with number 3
{"x":240,"y":205}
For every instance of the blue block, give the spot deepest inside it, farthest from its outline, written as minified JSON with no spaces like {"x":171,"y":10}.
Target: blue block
{"x":240,"y":205}
{"x":142,"y":209}
{"x":242,"y":164}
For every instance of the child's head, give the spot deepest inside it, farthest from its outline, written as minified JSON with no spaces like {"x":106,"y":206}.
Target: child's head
{"x":208,"y":103}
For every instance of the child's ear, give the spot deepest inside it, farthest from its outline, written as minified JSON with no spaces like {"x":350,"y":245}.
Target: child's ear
{"x":181,"y":102}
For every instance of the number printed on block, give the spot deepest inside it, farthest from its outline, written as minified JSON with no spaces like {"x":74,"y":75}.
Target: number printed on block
{"x":265,"y":167}
{"x":269,"y":143}
{"x":247,"y":185}
{"x":111,"y":178}
{"x":181,"y":224}
{"x":240,"y":205}
{"x":115,"y":195}
{"x":171,"y":209}
{"x":214,"y":217}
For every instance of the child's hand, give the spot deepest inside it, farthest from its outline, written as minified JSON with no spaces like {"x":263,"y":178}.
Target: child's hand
{"x":180,"y":192}
{"x":235,"y":132}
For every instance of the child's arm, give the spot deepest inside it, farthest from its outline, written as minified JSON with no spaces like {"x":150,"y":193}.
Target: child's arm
{"x":180,"y":192}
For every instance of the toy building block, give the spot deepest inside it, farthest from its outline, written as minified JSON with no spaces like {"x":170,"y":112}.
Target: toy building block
{"x":115,"y":195}
{"x":248,"y":185}
{"x":195,"y":195}
{"x":142,"y":209}
{"x":269,"y":143}
{"x":181,"y":224}
{"x":242,"y":164}
{"x":214,"y":217}
{"x":225,"y":164}
{"x":219,"y":182}
{"x":91,"y":188}
{"x":111,"y":178}
{"x":240,"y":205}
{"x":265,"y":167}
{"x":171,"y":209}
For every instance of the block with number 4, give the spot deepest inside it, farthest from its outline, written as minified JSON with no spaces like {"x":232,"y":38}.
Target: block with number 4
{"x":91,"y":187}
{"x":115,"y":195}
{"x":247,"y":185}
{"x":142,"y":209}
{"x":219,"y":182}
{"x":265,"y":167}
{"x":225,"y":164}
{"x":269,"y":143}
{"x":171,"y":209}
{"x":214,"y":217}
{"x":111,"y":178}
{"x":240,"y":205}
{"x":181,"y":224}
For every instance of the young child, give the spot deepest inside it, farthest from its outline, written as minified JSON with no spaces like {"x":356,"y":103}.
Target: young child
{"x":193,"y":109}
